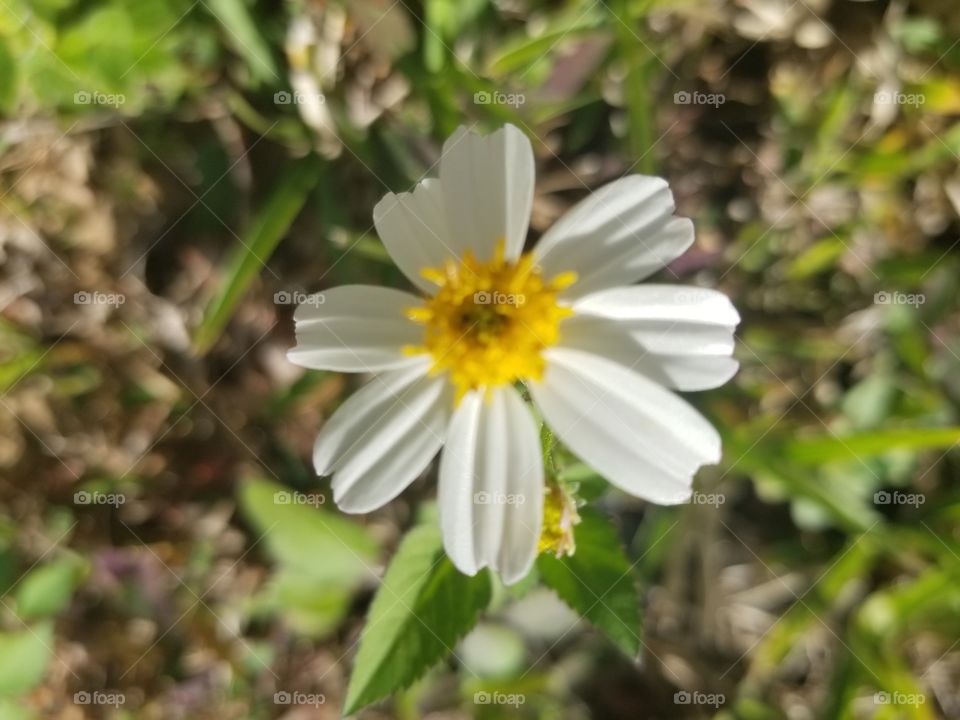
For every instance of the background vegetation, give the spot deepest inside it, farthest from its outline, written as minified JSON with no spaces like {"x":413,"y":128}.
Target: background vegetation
{"x":191,"y":165}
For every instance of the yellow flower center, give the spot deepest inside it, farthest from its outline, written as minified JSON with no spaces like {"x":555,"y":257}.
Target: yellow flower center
{"x":489,"y":322}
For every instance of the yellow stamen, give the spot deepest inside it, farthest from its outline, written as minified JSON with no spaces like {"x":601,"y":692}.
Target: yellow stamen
{"x":489,"y":322}
{"x":419,"y":314}
{"x":434,"y":275}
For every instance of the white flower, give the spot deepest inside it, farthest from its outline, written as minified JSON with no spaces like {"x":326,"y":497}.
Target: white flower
{"x":598,"y":355}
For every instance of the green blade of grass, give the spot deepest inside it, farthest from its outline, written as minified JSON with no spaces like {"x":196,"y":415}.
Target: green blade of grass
{"x":268,"y":227}
{"x":871,"y":444}
{"x":639,"y":60}
{"x":244,"y":35}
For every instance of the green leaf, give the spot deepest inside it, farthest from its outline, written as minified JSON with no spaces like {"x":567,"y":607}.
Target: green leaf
{"x":12,"y":710}
{"x":931,"y":596}
{"x":24,"y":656}
{"x":820,"y":257}
{"x":13,"y":371}
{"x":311,"y":607}
{"x":586,"y":483}
{"x":918,"y":35}
{"x":422,"y":608}
{"x":870,"y":444}
{"x":9,"y":78}
{"x":273,"y":220}
{"x":20,"y":355}
{"x":598,"y":581}
{"x":307,"y":539}
{"x":869,"y":403}
{"x":445,"y":21}
{"x":47,"y":590}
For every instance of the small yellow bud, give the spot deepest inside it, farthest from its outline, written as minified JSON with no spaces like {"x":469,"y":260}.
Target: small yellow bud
{"x":559,"y":518}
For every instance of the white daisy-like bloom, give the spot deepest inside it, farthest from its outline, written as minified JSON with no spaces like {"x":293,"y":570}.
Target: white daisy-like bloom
{"x":599,"y":356}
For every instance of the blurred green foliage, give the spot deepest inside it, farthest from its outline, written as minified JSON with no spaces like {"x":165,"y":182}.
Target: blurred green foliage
{"x":810,"y":198}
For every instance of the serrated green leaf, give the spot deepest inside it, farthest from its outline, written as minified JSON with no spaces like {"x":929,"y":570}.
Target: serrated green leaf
{"x":307,"y":539}
{"x":258,"y":245}
{"x":598,"y":581}
{"x":24,"y":656}
{"x":423,"y":607}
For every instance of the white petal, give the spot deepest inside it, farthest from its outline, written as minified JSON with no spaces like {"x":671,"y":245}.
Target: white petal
{"x":522,"y":521}
{"x":679,"y":336}
{"x":662,"y":302}
{"x":668,"y":318}
{"x":612,"y":339}
{"x":621,"y":233}
{"x":487,"y":184}
{"x":355,"y":328}
{"x":347,"y":424}
{"x":491,"y":485}
{"x":456,"y":483}
{"x":640,"y":436}
{"x":383,"y":437}
{"x":413,"y":227}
